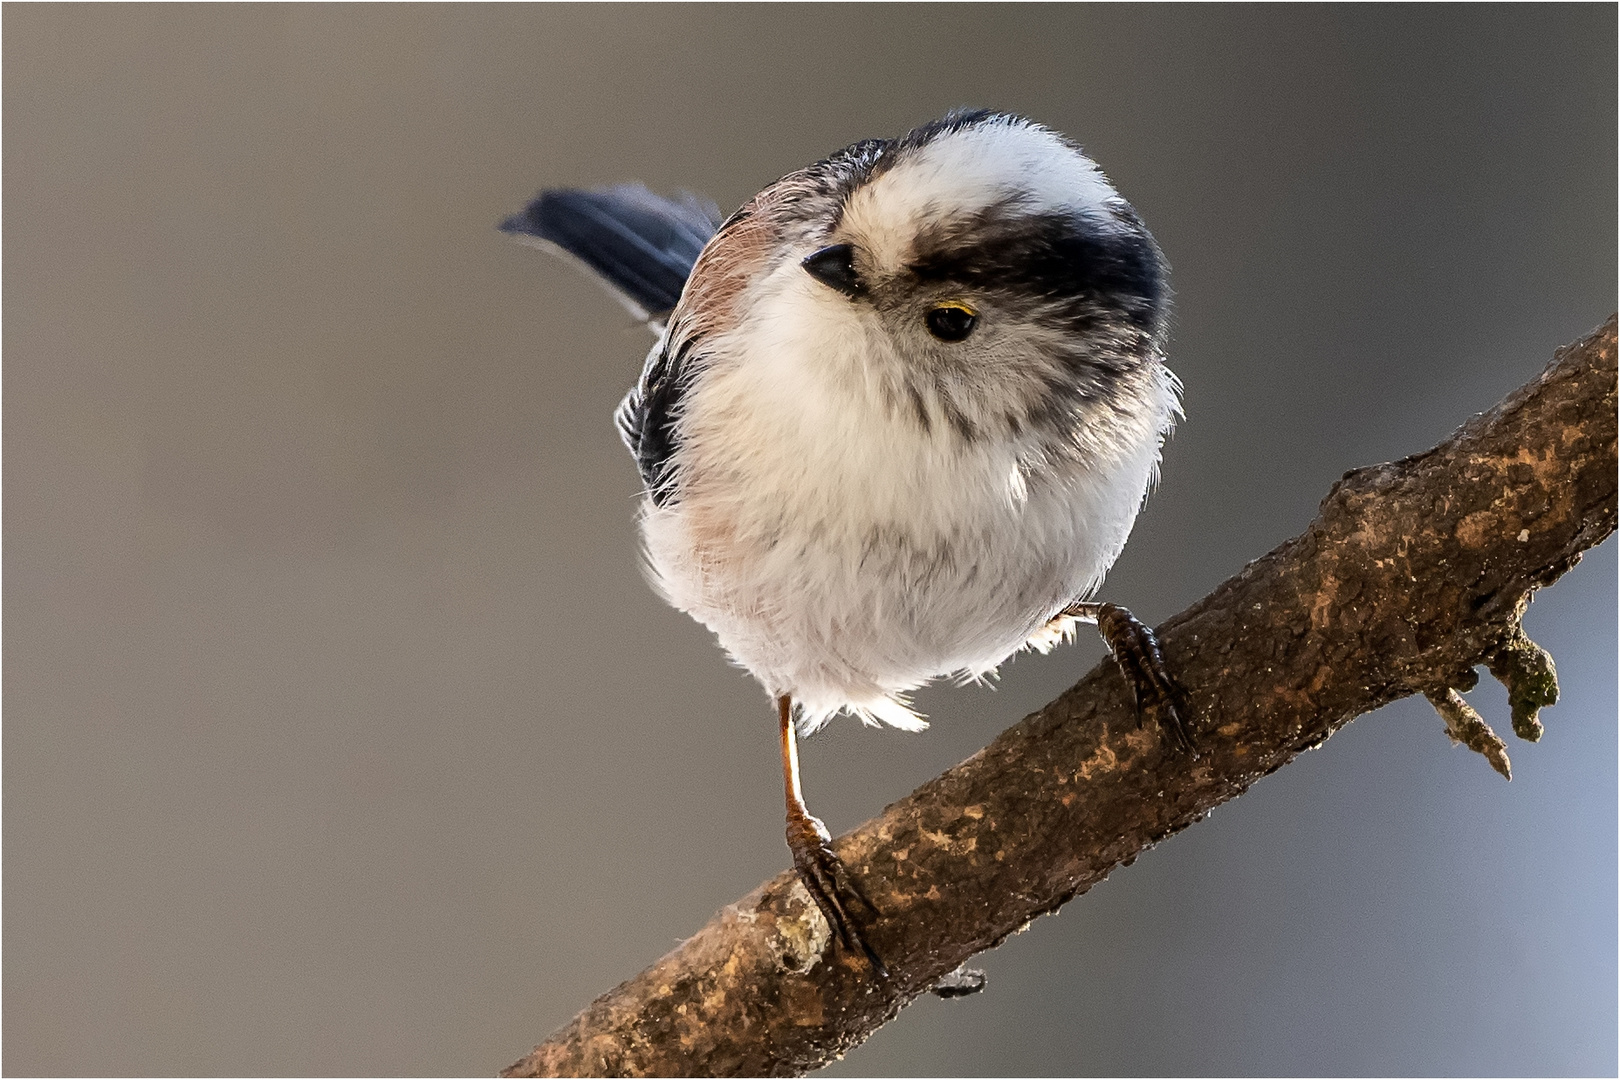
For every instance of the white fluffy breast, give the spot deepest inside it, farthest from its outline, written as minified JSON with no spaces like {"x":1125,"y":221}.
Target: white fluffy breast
{"x":843,"y":554}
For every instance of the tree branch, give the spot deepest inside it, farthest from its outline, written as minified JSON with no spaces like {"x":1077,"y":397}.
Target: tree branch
{"x":1412,"y":574}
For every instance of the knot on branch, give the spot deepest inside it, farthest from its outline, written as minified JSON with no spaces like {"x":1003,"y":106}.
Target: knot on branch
{"x":803,"y":936}
{"x":960,"y":983}
{"x":1528,"y":673}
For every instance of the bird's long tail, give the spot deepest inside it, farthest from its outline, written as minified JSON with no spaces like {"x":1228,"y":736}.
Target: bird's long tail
{"x":641,"y":245}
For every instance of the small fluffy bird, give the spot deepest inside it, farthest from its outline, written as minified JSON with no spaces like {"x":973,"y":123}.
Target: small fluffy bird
{"x":902,"y":411}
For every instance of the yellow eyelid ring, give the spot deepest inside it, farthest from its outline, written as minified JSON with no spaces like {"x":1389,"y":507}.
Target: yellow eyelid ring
{"x":951,"y":320}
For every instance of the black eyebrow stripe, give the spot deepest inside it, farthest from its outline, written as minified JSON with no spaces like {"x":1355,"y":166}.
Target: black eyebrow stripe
{"x":1058,"y":257}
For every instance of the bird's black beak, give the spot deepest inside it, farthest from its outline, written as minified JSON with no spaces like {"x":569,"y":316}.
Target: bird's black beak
{"x":834,"y":267}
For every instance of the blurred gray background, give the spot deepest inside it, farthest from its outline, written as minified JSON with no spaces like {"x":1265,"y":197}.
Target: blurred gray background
{"x":341,"y":733}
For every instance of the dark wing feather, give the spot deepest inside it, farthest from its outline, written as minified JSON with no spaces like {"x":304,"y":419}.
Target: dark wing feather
{"x":647,"y":416}
{"x":640,"y":244}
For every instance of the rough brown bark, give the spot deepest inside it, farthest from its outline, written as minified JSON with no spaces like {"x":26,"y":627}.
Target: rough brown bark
{"x":1413,"y":573}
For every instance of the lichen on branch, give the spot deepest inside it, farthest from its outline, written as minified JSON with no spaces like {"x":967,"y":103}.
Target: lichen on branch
{"x":1531,"y":680}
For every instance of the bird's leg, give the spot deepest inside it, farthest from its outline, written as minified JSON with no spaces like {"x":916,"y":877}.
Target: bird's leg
{"x":824,"y":875}
{"x":1136,"y":651}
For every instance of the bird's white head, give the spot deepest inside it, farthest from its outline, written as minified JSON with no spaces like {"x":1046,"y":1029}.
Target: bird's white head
{"x":978,"y":275}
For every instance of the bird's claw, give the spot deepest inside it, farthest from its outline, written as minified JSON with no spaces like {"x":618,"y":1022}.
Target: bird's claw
{"x":1137,"y":652}
{"x":829,"y":883}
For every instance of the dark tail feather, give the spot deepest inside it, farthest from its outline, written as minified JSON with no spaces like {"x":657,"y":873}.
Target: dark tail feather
{"x":642,"y":245}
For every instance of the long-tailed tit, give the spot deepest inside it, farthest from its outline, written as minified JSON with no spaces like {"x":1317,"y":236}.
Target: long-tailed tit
{"x":902,"y":412}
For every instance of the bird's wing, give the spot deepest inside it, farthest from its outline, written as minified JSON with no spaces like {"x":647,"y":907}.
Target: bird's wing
{"x":646,"y":417}
{"x":640,"y":245}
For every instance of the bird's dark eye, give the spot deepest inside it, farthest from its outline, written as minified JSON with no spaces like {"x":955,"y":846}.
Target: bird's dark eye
{"x":951,"y":322}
